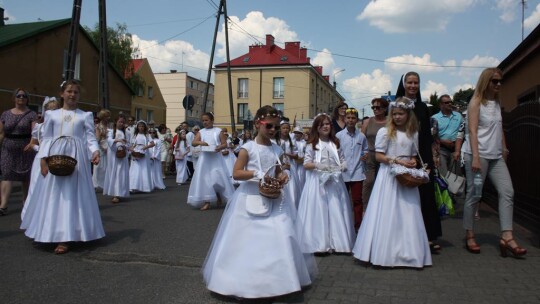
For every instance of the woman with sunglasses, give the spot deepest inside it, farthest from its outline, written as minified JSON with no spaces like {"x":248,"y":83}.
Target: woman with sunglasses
{"x":15,"y":133}
{"x":485,"y":152}
{"x":211,"y":182}
{"x":370,"y":127}
{"x":338,"y":117}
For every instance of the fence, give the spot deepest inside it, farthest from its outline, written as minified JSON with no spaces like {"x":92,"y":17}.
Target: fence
{"x":522,"y":131}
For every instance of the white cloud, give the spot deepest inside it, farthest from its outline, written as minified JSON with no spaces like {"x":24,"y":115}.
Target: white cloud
{"x":432,"y":87}
{"x":399,"y":16}
{"x":363,"y":88}
{"x":481,"y":62}
{"x":463,"y":87}
{"x":10,"y":18}
{"x":258,"y":26}
{"x":164,"y":57}
{"x":508,"y":10}
{"x":325,"y":60}
{"x":405,"y":63}
{"x":533,"y":20}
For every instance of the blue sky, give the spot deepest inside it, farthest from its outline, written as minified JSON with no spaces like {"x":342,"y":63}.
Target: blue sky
{"x":446,"y":41}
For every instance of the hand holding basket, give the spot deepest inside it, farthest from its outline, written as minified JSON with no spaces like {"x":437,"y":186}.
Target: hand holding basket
{"x":270,"y":186}
{"x":59,"y":164}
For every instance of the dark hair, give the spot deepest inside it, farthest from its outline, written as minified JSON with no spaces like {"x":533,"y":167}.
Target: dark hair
{"x":67,"y":83}
{"x":114,"y":127}
{"x":442,"y":96}
{"x":265,"y":111}
{"x":162,"y":127}
{"x":382,"y":101}
{"x":209,"y":114}
{"x":137,"y":128}
{"x":314,"y":132}
{"x":336,"y":109}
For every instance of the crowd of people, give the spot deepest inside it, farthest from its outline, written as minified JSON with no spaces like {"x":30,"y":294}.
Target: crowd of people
{"x":288,"y":194}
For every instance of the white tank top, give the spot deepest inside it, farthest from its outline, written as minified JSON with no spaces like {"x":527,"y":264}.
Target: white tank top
{"x":489,"y":132}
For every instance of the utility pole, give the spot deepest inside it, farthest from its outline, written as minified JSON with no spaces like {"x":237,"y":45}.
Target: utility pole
{"x":222,"y":10}
{"x":523,"y":4}
{"x":73,"y":38}
{"x":103,"y":57}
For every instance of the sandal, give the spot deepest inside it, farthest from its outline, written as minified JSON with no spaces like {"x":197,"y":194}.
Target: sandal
{"x":205,"y":207}
{"x":61,"y":248}
{"x":435,"y":248}
{"x":115,"y":200}
{"x":3,"y":211}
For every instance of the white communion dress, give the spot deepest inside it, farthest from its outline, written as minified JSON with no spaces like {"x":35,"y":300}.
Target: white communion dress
{"x":392,"y":233}
{"x":180,"y":157}
{"x":211,"y":175}
{"x":140,"y":176}
{"x":35,"y":174}
{"x":257,"y":256}
{"x":324,"y":211}
{"x":155,"y":164}
{"x":117,"y":175}
{"x":65,"y":208}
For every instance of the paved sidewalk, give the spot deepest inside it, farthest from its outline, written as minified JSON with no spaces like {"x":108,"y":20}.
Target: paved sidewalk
{"x":156,"y":245}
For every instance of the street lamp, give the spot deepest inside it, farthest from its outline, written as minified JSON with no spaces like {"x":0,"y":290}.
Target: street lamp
{"x":334,"y":75}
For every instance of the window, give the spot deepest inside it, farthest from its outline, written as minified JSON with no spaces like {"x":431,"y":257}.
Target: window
{"x":149,"y":115}
{"x":279,"y":89}
{"x":77,"y":74}
{"x":193,"y":84}
{"x":242,"y":112}
{"x":140,"y":92}
{"x":280,"y":107}
{"x":138,"y":114}
{"x":150,"y":92}
{"x":243,"y":88}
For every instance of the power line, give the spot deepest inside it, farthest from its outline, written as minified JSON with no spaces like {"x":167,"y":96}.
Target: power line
{"x":165,"y":22}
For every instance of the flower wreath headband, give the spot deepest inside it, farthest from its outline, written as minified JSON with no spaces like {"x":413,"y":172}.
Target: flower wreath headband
{"x":320,"y":114}
{"x":268,"y":115}
{"x":403,"y":103}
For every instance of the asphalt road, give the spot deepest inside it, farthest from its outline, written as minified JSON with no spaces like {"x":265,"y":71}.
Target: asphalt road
{"x":156,"y":244}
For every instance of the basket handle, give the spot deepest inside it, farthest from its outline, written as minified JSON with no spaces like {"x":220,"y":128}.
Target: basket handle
{"x":63,"y":136}
{"x":268,"y":171}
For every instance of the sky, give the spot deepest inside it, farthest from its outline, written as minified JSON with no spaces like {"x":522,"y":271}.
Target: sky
{"x":364,"y":45}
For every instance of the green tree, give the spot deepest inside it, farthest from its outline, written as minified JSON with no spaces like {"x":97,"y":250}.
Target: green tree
{"x":434,"y":101}
{"x":120,"y":51}
{"x":462,"y":98}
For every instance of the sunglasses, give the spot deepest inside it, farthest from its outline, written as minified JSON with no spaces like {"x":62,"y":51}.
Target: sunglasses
{"x":377,"y":107}
{"x":446,"y":102}
{"x":21,"y":96}
{"x":351,"y":110}
{"x":269,"y":126}
{"x":496,"y":81}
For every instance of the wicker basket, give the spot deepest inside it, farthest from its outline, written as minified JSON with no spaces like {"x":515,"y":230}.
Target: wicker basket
{"x":121,"y":152}
{"x":61,"y":165}
{"x":408,"y":180}
{"x":137,"y":154}
{"x":269,"y":186}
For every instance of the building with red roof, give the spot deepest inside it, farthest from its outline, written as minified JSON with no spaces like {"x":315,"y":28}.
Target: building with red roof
{"x":271,"y":75}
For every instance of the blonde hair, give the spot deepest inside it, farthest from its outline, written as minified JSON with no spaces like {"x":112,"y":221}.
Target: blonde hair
{"x":50,"y":104}
{"x":480,"y":92}
{"x":411,"y":125}
{"x":103,"y":113}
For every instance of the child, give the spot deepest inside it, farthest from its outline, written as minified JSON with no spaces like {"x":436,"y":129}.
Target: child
{"x":50,"y":103}
{"x":181,"y":149}
{"x":65,"y":208}
{"x":325,"y":207}
{"x":392,"y":233}
{"x":289,"y":155}
{"x":117,"y":176}
{"x":300,"y":145}
{"x":211,"y":177}
{"x":354,"y":146}
{"x":155,"y":160}
{"x":257,"y":256}
{"x":140,"y":178}
{"x":98,"y":175}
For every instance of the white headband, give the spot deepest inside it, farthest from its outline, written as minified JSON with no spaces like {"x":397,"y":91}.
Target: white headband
{"x":47,"y":100}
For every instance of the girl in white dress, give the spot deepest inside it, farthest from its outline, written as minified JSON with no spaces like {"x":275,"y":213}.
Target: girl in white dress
{"x":228,"y":155}
{"x":392,"y":233}
{"x":324,"y":211}
{"x":257,"y":256}
{"x":117,"y":176}
{"x":140,"y":177}
{"x":300,"y":145}
{"x":50,"y":103}
{"x":290,"y":154}
{"x":65,"y":209}
{"x":98,"y":176}
{"x":211,"y":178}
{"x":155,"y":160}
{"x":181,"y":149}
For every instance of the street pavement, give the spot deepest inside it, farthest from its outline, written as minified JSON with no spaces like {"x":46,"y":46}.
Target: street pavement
{"x":156,"y":244}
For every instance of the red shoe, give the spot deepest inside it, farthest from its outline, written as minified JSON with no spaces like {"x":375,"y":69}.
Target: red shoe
{"x":516,"y":251}
{"x":472,"y":248}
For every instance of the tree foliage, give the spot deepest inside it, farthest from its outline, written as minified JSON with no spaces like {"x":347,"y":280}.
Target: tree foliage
{"x":120,"y":51}
{"x":434,"y":101}
{"x":462,"y":99}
